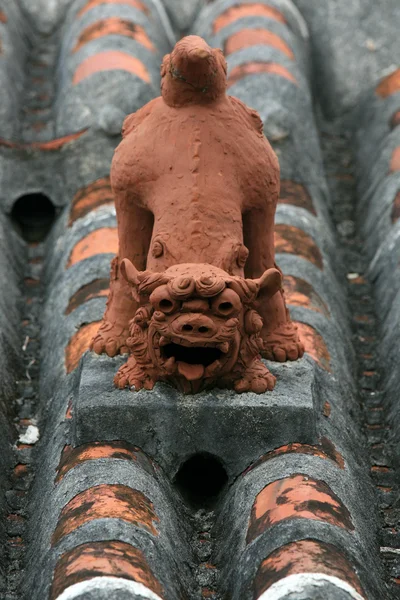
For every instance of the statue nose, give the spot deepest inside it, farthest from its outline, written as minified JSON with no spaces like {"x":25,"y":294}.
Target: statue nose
{"x":198,"y":329}
{"x":198,"y":325}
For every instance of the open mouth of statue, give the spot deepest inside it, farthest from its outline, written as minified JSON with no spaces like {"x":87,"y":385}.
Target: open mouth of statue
{"x":193,"y":362}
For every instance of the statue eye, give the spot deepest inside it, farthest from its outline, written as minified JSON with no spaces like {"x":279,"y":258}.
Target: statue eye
{"x":162,"y":301}
{"x":226,"y":304}
{"x":157,"y":249}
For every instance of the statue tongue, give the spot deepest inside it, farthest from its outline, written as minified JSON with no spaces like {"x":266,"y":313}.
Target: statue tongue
{"x":190,"y":372}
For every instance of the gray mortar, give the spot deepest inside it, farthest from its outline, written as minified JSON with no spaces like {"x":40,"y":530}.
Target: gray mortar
{"x":168,"y":554}
{"x":102,"y":412}
{"x":72,"y":26}
{"x":182,"y":15}
{"x":296,"y":44}
{"x":158,"y":22}
{"x":320,"y":232}
{"x":375,"y":172}
{"x":266,"y":54}
{"x":59,"y":175}
{"x":14,"y":52}
{"x":323,"y":282}
{"x":372,"y":116}
{"x":56,"y":339}
{"x":321,"y":589}
{"x":80,"y":107}
{"x":288,"y":124}
{"x":243,"y":571}
{"x":56,"y":264}
{"x":296,"y":23}
{"x":233,"y":513}
{"x":11,"y":257}
{"x":70,"y":280}
{"x":377,"y":219}
{"x":339,"y":346}
{"x":77,"y":104}
{"x":235,"y":428}
{"x":354,"y":44}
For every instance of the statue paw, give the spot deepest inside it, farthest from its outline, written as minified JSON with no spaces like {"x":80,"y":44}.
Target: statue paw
{"x":110,"y":339}
{"x":256,"y":379}
{"x":283,"y":344}
{"x":133,"y":375}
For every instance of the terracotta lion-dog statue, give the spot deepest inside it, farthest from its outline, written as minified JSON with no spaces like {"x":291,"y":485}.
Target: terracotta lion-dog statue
{"x":195,"y":295}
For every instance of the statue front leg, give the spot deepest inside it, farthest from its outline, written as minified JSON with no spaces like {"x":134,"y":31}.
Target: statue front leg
{"x":134,"y":234}
{"x":281,"y":341}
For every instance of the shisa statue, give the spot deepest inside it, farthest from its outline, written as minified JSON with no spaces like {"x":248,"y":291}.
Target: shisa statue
{"x":195,"y":294}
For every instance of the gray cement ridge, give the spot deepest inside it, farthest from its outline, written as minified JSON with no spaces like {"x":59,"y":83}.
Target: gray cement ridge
{"x":170,"y":427}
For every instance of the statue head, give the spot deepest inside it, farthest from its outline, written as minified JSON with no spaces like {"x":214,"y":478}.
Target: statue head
{"x":196,"y":324}
{"x":193,"y":73}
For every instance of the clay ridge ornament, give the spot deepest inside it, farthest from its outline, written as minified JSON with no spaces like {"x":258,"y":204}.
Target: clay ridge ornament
{"x":196,"y":185}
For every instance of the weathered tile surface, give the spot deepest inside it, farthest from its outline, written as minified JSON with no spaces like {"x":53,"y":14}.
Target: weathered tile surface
{"x":153,"y":495}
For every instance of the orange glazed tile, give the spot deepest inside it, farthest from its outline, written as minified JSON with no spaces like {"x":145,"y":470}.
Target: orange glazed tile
{"x":246,"y":10}
{"x":114,"y":26}
{"x":252,"y":37}
{"x":390,"y":85}
{"x":314,"y":345}
{"x":110,"y":60}
{"x":71,"y":457}
{"x":296,"y":194}
{"x":50,"y":146}
{"x":89,"y":198}
{"x":296,"y":497}
{"x":299,"y":292}
{"x":94,"y":289}
{"x":395,"y":160}
{"x":78,"y":344}
{"x":106,"y":502}
{"x":257,"y":68}
{"x":325,"y":450}
{"x":292,"y":240}
{"x":99,"y":241}
{"x":110,"y":558}
{"x":93,"y":3}
{"x":304,"y":556}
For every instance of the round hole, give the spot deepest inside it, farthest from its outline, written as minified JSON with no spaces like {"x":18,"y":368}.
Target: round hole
{"x":187,"y":328}
{"x":33,"y":216}
{"x":225,"y":307}
{"x":200,"y":480}
{"x":166,"y":304}
{"x":203,"y":329}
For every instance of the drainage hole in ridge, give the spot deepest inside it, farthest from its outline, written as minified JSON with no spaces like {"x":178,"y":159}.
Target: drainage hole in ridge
{"x":200,"y":480}
{"x":33,"y":216}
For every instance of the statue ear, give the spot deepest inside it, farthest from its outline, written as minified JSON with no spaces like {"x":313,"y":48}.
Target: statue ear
{"x":129,"y":272}
{"x":270,"y":282}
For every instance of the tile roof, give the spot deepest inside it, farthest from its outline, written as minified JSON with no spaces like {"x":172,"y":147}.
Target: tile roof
{"x":291,"y":494}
